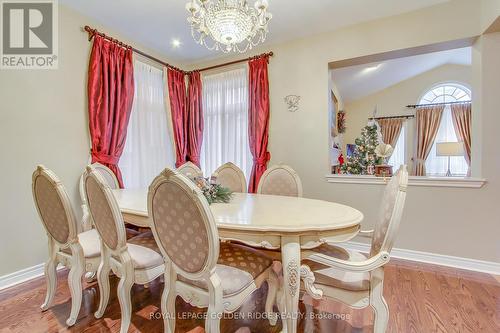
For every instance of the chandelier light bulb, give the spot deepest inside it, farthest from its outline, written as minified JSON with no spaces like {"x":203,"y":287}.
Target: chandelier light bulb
{"x":232,"y":25}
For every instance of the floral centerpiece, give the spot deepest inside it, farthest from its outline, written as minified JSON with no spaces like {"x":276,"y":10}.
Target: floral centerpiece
{"x":213,"y":192}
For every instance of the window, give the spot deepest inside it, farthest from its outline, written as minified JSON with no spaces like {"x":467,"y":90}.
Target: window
{"x":148,"y":148}
{"x":446,"y":93}
{"x":225,"y":111}
{"x":398,"y":156}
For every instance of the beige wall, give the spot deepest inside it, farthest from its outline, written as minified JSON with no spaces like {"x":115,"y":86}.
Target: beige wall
{"x":392,"y":100}
{"x":458,"y":222}
{"x":43,"y":119}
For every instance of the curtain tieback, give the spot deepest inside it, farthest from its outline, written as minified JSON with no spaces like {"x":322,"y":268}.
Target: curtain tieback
{"x":104,"y":158}
{"x":262,"y":160}
{"x":420,"y":160}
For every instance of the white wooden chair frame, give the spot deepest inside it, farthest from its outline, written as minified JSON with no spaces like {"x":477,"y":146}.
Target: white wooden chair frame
{"x":119,"y":261}
{"x":190,"y":170}
{"x":86,"y":218}
{"x":213,"y":298}
{"x":75,"y":261}
{"x":373,"y":265}
{"x":237,"y":171}
{"x":288,"y":169}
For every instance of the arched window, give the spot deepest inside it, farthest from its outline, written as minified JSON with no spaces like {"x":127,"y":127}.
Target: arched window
{"x":446,"y":93}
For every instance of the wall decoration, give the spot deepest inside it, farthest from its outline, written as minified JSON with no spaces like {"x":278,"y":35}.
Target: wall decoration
{"x":292,"y":102}
{"x":341,"y":121}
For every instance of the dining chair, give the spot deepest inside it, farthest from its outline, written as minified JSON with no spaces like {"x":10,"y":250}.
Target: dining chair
{"x":111,"y":180}
{"x":78,"y":251}
{"x":230,"y":176}
{"x":136,"y":261}
{"x":352,"y":277}
{"x":280,"y":180}
{"x":190,"y":170}
{"x":199,"y":268}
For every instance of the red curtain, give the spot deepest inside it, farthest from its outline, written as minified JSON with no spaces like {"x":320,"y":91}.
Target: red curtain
{"x":258,"y":119}
{"x":110,"y":97}
{"x":195,"y":118}
{"x":177,"y":93}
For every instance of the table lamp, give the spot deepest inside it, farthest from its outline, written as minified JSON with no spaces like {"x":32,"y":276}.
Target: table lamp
{"x":449,"y":149}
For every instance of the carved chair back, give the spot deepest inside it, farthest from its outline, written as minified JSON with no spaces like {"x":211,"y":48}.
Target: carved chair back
{"x":104,"y":209}
{"x":53,"y":206}
{"x":390,"y":212}
{"x":280,"y":180}
{"x":230,"y":176}
{"x":110,"y":179}
{"x":190,"y":170}
{"x":183,"y":225}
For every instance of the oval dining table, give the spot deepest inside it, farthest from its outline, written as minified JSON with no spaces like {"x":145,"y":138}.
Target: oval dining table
{"x":285,"y":224}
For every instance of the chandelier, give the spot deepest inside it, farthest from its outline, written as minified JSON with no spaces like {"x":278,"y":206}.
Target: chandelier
{"x":232,"y":25}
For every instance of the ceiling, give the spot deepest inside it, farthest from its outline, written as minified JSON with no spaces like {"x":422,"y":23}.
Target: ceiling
{"x":155,"y":23}
{"x":356,"y":82}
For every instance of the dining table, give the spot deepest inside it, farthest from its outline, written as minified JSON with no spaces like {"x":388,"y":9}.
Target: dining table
{"x":271,"y":222}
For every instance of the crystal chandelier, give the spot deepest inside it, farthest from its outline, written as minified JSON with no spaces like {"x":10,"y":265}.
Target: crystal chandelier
{"x":233,"y":25}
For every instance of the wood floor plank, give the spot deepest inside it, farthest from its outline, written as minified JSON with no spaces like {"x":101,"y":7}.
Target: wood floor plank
{"x":421,"y":297}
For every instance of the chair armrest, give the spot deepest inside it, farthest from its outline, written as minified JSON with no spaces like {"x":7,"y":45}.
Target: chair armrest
{"x":367,"y":265}
{"x":366,"y":233}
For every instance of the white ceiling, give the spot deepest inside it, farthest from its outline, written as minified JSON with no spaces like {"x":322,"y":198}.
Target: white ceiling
{"x":154,"y":23}
{"x":356,"y":82}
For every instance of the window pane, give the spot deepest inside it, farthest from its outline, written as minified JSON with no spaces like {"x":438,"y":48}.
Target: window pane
{"x":438,"y":165}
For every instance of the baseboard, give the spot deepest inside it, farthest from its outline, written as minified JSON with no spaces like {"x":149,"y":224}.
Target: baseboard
{"x":436,"y":259}
{"x":21,"y":276}
{"x":481,"y":266}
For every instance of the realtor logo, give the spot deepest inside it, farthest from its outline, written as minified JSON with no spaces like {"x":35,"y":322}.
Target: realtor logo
{"x":29,"y":34}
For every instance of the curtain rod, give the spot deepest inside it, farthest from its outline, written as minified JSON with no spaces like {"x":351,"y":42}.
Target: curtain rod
{"x":269,"y":54}
{"x":413,"y":106}
{"x":92,"y":32}
{"x":393,"y":117}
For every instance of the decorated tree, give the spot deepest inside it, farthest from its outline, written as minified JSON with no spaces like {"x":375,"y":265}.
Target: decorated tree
{"x":364,"y":158}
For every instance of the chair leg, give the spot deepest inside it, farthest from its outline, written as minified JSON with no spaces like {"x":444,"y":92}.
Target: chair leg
{"x":50,"y":276}
{"x":280,"y":302}
{"x":378,"y":303}
{"x":168,"y":299}
{"x":103,"y":282}
{"x":75,"y":282}
{"x":215,"y":307}
{"x":272,"y":283}
{"x":124,"y":288}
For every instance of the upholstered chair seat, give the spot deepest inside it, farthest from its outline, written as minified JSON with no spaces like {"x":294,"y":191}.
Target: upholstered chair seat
{"x":198,"y":267}
{"x":351,"y":277}
{"x":90,"y":242}
{"x":77,"y":251}
{"x":135,"y":261}
{"x":238,"y":266}
{"x":144,"y":251}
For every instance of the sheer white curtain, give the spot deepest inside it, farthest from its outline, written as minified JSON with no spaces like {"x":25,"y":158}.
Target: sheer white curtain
{"x":438,"y":165}
{"x":148,"y":148}
{"x":225,"y":111}
{"x":398,"y":156}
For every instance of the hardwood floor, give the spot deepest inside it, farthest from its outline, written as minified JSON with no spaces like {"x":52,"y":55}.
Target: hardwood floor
{"x":422,"y":298}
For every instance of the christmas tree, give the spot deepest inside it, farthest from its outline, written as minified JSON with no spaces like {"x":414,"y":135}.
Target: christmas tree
{"x":363,"y":160}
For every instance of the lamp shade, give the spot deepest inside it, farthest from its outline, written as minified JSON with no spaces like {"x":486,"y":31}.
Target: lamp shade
{"x":449,"y":149}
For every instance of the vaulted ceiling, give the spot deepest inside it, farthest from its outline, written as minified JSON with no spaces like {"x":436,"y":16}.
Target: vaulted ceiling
{"x":155,"y":23}
{"x":356,"y":82}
